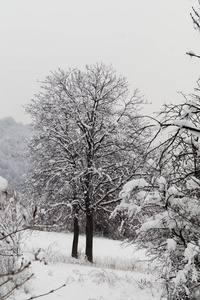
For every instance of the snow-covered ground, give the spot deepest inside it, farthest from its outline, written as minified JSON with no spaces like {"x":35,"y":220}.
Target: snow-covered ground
{"x":118,"y":272}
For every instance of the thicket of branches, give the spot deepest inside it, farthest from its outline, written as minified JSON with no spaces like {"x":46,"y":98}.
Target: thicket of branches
{"x":14,"y":220}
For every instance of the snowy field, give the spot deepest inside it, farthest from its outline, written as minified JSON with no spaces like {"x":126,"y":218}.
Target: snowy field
{"x":118,"y":273}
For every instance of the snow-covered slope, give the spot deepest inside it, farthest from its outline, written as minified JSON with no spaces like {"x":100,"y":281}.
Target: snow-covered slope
{"x":118,"y":273}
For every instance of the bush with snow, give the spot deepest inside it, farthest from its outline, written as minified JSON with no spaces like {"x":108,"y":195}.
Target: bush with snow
{"x":13,"y":270}
{"x":169,"y":228}
{"x":165,"y":210}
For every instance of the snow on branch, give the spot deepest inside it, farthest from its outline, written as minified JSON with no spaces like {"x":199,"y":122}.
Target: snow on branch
{"x":131,"y":185}
{"x":183,"y":124}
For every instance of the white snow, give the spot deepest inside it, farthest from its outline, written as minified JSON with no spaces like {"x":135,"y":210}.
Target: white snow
{"x":153,"y":222}
{"x":193,"y":183}
{"x":151,"y":163}
{"x":190,"y":108}
{"x":131,"y":185}
{"x":153,"y":197}
{"x":3,"y":184}
{"x":183,"y":123}
{"x":191,"y":251}
{"x":3,"y":189}
{"x":162,"y":183}
{"x":171,"y":244}
{"x":173,"y":190}
{"x":116,"y":274}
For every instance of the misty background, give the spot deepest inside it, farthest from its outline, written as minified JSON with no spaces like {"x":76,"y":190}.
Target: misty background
{"x":145,"y":41}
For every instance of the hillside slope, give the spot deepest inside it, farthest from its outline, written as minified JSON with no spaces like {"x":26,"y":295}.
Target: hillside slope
{"x":13,"y":162}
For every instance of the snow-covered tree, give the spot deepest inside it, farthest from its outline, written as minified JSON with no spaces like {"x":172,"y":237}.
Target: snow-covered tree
{"x":86,"y":143}
{"x":165,"y":202}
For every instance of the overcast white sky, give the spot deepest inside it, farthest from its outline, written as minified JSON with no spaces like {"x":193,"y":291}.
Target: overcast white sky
{"x":145,"y":41}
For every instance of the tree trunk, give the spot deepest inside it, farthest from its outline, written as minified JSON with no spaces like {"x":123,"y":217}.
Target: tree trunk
{"x":76,"y":235}
{"x":89,"y":208}
{"x":89,"y":236}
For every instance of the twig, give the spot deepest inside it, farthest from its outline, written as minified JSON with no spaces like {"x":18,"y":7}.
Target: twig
{"x":191,"y":54}
{"x":45,"y":294}
{"x":15,"y":287}
{"x":12,"y":273}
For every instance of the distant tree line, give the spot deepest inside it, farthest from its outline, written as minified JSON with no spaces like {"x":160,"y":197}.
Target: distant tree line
{"x":13,"y":160}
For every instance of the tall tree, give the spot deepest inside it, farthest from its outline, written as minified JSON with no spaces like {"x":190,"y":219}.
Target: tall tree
{"x":86,"y":142}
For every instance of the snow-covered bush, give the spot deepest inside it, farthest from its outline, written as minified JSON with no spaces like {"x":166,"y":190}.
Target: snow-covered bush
{"x":13,"y":220}
{"x":165,"y":201}
{"x":167,"y":224}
